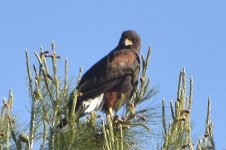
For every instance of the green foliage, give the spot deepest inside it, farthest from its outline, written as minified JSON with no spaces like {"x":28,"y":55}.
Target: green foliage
{"x":133,"y":124}
{"x":177,"y":134}
{"x":207,"y":141}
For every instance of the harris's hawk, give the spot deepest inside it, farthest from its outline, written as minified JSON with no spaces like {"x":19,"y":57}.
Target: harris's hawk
{"x":109,"y":83}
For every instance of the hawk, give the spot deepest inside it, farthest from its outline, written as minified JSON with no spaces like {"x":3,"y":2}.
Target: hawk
{"x":109,"y":83}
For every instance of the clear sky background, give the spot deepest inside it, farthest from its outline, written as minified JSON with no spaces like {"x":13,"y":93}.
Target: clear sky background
{"x":182,"y":33}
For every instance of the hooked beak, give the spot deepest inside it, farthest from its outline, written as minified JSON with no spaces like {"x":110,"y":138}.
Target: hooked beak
{"x":128,"y":42}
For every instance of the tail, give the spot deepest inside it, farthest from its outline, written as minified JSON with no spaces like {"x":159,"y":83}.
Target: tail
{"x":64,"y":121}
{"x":82,"y":108}
{"x":63,"y":124}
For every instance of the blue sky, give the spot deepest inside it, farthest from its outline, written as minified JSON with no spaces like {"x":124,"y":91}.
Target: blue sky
{"x":186,"y":33}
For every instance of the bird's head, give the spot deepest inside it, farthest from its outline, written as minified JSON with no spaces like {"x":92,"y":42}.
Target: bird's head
{"x":130,"y":38}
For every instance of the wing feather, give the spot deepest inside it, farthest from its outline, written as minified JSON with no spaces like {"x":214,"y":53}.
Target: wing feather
{"x":108,"y":72}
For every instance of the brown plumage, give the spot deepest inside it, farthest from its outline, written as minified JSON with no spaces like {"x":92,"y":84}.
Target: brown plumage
{"x":109,"y":83}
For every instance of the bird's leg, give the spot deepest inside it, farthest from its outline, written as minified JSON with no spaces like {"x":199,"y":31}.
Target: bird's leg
{"x":110,"y":113}
{"x":113,"y":120}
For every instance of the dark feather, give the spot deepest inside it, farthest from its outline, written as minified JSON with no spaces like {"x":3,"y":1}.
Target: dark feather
{"x":115,"y":75}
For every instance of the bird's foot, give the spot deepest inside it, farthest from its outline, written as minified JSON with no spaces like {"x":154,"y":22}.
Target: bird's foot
{"x":121,"y":121}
